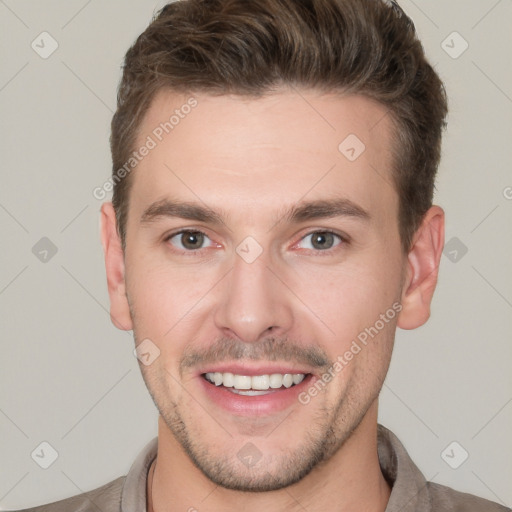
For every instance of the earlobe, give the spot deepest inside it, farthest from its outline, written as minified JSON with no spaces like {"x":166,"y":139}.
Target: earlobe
{"x":422,"y":270}
{"x":114,"y":267}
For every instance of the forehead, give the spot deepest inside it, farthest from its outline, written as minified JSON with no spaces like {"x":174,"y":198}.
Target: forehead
{"x":268,"y":151}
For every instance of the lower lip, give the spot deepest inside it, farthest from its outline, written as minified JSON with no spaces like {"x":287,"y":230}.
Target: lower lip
{"x":243,"y":405}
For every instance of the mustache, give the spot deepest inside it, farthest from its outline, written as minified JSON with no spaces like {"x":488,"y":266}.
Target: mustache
{"x":268,"y":349}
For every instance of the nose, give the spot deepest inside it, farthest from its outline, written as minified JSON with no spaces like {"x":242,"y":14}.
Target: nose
{"x":253,"y":303}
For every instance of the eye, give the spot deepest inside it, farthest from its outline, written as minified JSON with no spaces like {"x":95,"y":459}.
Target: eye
{"x":189,"y":240}
{"x":321,"y":240}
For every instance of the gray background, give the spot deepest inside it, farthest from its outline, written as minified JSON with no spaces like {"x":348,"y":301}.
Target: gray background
{"x":69,"y":378}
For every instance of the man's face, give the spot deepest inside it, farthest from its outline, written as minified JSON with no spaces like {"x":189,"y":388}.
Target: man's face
{"x":264,"y":287}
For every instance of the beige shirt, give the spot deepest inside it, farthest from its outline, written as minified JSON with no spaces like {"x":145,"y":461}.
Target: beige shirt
{"x":410,"y":491}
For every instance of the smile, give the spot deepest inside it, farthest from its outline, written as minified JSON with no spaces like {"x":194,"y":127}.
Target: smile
{"x":244,"y":388}
{"x":256,"y":384}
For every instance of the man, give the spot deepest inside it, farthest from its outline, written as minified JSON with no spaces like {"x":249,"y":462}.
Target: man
{"x":271,"y":226}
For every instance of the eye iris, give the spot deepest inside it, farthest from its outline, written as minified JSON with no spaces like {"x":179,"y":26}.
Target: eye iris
{"x":192,"y":239}
{"x":322,"y":240}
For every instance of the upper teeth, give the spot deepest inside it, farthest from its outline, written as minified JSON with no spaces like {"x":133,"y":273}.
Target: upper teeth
{"x":260,"y":382}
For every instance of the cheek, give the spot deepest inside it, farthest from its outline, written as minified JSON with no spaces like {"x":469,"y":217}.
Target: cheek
{"x":362,"y":365}
{"x":165,"y":292}
{"x":169,"y":302}
{"x":350,"y":294}
{"x":350,"y":301}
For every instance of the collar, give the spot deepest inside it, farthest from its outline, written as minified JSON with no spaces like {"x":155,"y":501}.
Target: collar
{"x":133,"y":494}
{"x":409,"y":491}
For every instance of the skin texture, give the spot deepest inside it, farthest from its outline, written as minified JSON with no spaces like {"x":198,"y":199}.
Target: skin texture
{"x":250,"y":160}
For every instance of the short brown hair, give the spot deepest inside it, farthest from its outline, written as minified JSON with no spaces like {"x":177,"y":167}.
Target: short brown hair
{"x":250,"y":48}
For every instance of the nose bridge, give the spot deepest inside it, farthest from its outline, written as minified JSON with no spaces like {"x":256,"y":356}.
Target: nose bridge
{"x":253,"y":303}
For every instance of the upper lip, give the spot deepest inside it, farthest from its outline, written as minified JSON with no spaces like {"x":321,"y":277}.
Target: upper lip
{"x":253,"y":369}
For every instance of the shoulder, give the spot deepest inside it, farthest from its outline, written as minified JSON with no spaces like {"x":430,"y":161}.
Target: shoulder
{"x":447,"y":499}
{"x":106,"y":498}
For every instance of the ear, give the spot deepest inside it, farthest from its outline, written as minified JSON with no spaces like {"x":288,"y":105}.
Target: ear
{"x":114,"y":266}
{"x":422,"y":270}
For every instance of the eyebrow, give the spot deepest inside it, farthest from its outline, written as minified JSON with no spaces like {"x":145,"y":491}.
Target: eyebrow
{"x":323,"y":209}
{"x":306,"y":211}
{"x":169,"y":208}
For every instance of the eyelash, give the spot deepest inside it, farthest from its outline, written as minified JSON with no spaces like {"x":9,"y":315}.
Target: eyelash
{"x":343,"y":241}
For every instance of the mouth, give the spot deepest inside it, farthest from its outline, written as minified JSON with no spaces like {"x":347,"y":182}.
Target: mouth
{"x":254,"y":385}
{"x":254,"y":392}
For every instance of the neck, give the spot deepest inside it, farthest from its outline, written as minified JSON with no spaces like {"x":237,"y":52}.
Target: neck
{"x":351,"y":479}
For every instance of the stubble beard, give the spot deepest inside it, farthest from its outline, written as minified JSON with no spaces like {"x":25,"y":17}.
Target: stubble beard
{"x":328,"y":432}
